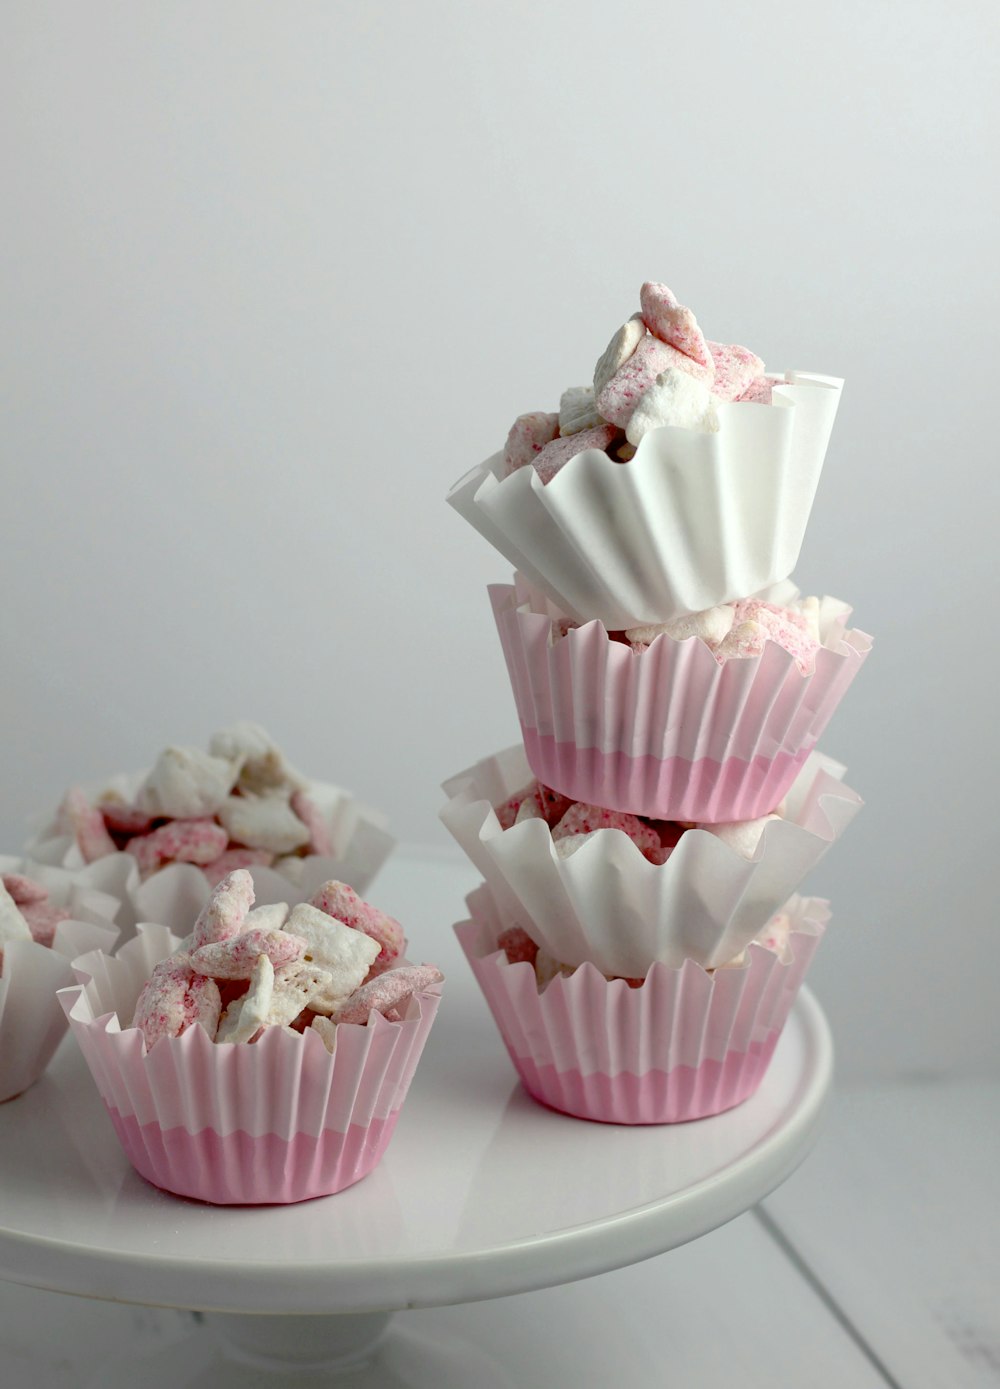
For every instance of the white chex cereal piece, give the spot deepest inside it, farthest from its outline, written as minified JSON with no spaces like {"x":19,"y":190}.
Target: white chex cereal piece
{"x":711,"y":626}
{"x":675,"y":398}
{"x":577,"y":410}
{"x":569,"y":844}
{"x":547,"y":967}
{"x":618,"y":351}
{"x":187,"y":783}
{"x":295,"y":986}
{"x":245,"y":1017}
{"x":12,"y":924}
{"x":263,"y":822}
{"x":742,"y":836}
{"x":262,"y":764}
{"x":270,"y":917}
{"x":345,"y":953}
{"x":237,"y":958}
{"x":327,"y":1030}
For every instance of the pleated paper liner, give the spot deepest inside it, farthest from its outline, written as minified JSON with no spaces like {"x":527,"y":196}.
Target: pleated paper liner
{"x":685,"y":1045}
{"x":359,"y":835}
{"x":32,"y":1023}
{"x":691,"y":521}
{"x":668,"y":732}
{"x":272,"y":1122}
{"x":607,"y":904}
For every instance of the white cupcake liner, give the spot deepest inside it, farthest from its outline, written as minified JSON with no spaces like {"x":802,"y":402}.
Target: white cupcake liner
{"x":176,"y":893}
{"x":32,"y":1022}
{"x":691,"y":521}
{"x":667,"y":732}
{"x":685,"y":1045}
{"x":277,"y":1121}
{"x":608,"y":904}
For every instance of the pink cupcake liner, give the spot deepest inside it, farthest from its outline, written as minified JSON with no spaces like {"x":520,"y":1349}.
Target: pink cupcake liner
{"x":691,"y":521}
{"x":278,"y":1121}
{"x":685,"y":1045}
{"x":667,"y":732}
{"x":607,"y":904}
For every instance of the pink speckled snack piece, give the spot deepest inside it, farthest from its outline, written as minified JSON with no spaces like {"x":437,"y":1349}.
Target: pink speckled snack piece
{"x":24,"y":891}
{"x":92,"y":837}
{"x":673,"y":324}
{"x":759,"y":391}
{"x":236,"y":858}
{"x":388,"y":991}
{"x":586,"y":819}
{"x":517,"y":945}
{"x":122,"y":818}
{"x":236,"y":958}
{"x":340,"y":901}
{"x":528,"y":435}
{"x":181,"y":841}
{"x":223,"y":915}
{"x":173,"y":999}
{"x":320,"y":840}
{"x":735,"y":368}
{"x":557,"y":454}
{"x":42,"y":919}
{"x":630,"y":382}
{"x":755,"y":622}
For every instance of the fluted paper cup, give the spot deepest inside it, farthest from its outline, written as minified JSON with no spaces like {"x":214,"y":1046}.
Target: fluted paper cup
{"x":32,"y":1023}
{"x":272,"y":1122}
{"x":361,"y":844}
{"x":684,"y":1045}
{"x":668,"y":732}
{"x":691,"y":521}
{"x":607,"y":904}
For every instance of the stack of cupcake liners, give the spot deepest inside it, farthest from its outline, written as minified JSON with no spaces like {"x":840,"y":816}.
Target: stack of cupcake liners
{"x":659,"y":1001}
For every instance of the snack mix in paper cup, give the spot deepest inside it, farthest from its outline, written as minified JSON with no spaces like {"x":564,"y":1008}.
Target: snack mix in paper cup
{"x":682,"y":1043}
{"x":708,"y":718}
{"x":197,"y":816}
{"x":264,"y":1058}
{"x":621,"y":891}
{"x":46,"y":919}
{"x":683,"y":478}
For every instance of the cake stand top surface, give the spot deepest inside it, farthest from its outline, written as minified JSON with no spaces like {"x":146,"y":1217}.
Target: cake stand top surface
{"x":482,"y":1192}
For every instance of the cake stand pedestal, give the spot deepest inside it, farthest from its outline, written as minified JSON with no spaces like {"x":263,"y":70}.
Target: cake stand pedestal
{"x":483,"y":1193}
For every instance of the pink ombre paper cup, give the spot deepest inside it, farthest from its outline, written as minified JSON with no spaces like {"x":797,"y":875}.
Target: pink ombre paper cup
{"x":685,"y":1045}
{"x":274,"y":1122}
{"x":667,"y":732}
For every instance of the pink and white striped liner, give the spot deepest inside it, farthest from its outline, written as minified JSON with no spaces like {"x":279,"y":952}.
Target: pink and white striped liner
{"x":608,"y":904}
{"x":685,"y":1045}
{"x":667,"y":732}
{"x":274,"y":1122}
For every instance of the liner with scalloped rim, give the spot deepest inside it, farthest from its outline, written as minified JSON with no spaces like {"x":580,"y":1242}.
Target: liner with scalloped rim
{"x":685,"y":1045}
{"x":608,"y":904}
{"x":32,"y":1023}
{"x":668,"y":732}
{"x":691,"y":521}
{"x":272,"y":1122}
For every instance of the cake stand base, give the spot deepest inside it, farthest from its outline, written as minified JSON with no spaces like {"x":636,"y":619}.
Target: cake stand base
{"x":281,"y":1352}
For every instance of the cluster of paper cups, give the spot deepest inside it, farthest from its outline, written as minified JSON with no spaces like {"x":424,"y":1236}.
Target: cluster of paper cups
{"x":667,"y":733}
{"x":280,"y":1120}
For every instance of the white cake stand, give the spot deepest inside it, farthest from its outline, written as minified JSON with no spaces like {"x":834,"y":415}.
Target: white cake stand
{"x":482,"y":1193}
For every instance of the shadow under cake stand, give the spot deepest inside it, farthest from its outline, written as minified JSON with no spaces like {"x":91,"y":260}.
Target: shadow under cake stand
{"x":482,"y":1193}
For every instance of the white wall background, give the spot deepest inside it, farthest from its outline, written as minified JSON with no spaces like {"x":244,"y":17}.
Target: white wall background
{"x":274,"y":275}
